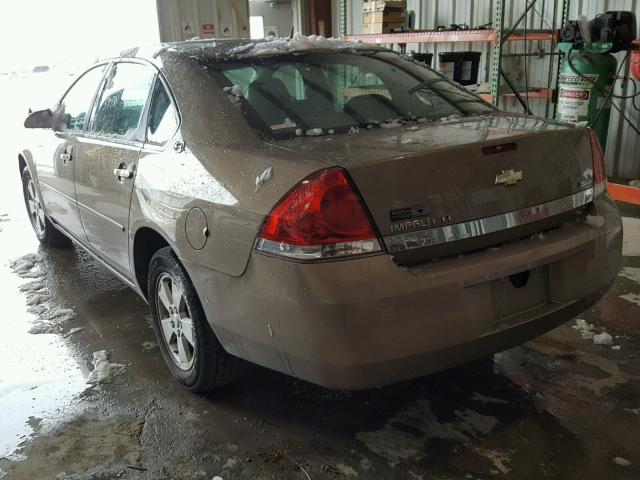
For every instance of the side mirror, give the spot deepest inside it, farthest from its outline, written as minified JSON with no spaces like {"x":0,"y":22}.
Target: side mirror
{"x":39,"y":119}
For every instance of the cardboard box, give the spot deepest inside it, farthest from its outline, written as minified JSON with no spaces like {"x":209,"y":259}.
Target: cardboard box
{"x":371,"y":28}
{"x":384,"y":17}
{"x":381,"y":6}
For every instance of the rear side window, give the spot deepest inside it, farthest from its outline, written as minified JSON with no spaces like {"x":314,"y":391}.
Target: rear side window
{"x":119,"y":110}
{"x":76,"y":103}
{"x":163,"y":120}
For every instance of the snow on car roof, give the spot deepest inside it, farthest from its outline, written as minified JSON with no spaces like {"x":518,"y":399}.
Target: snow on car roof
{"x":243,"y":48}
{"x":298,"y":43}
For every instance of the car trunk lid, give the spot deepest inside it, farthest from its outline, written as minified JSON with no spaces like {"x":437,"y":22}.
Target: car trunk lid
{"x":448,"y":182}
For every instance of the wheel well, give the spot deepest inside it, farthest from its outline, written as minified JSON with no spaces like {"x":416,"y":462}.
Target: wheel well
{"x":145,"y":244}
{"x":22,"y":163}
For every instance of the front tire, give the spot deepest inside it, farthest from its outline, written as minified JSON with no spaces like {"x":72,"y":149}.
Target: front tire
{"x":188,"y":345}
{"x":47,"y":234}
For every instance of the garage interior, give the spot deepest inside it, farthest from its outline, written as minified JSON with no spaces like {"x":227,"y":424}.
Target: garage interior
{"x":565,"y":405}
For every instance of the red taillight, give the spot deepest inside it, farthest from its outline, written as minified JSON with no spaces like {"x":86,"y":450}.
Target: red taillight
{"x":321,"y":217}
{"x":599,"y":170}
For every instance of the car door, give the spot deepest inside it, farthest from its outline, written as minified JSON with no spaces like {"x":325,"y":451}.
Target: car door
{"x":56,"y":157}
{"x":109,"y":155}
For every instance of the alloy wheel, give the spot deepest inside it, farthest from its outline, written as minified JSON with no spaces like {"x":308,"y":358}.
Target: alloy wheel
{"x":175,"y":322}
{"x":34,"y":205}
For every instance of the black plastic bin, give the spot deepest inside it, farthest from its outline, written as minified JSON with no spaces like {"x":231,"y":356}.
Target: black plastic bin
{"x":461,"y":67}
{"x":423,"y":57}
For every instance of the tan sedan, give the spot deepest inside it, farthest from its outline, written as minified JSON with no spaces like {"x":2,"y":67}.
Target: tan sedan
{"x":336,"y":212}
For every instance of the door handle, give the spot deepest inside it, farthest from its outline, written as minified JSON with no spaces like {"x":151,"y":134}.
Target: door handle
{"x":65,"y":157}
{"x":123,"y":171}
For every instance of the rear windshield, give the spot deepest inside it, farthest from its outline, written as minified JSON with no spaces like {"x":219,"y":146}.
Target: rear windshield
{"x":327,"y":93}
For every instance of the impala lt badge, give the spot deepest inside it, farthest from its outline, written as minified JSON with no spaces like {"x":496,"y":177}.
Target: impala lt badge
{"x":508,"y":177}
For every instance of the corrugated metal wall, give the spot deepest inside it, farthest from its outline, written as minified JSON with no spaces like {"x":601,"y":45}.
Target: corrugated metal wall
{"x":623,"y":147}
{"x":184,"y":19}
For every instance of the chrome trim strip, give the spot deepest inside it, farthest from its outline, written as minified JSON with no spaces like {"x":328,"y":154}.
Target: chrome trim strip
{"x":95,"y":213}
{"x":475,"y":228}
{"x":320,"y":252}
{"x":84,"y":207}
{"x":55,"y":190}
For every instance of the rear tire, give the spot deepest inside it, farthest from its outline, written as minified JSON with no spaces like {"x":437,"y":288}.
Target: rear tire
{"x":47,"y":233}
{"x":188,"y":345}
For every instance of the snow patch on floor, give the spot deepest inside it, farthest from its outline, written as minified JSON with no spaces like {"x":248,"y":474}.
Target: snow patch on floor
{"x":623,"y":462}
{"x":32,"y":275}
{"x":148,"y":345}
{"x":603,"y":339}
{"x":500,"y":460}
{"x":54,"y":322}
{"x":231,"y":462}
{"x":631,"y":273}
{"x":41,"y":327}
{"x":397,"y":439}
{"x":585,"y":328}
{"x":62,"y":315}
{"x":631,"y":297}
{"x":37,"y":299}
{"x":37,"y":310}
{"x":474,"y":422}
{"x":631,"y":237}
{"x":32,"y":287}
{"x":25,"y":264}
{"x":477,"y":397}
{"x":73,"y":331}
{"x":48,"y":319}
{"x":587,"y":331}
{"x":103,"y":371}
{"x":346,"y":470}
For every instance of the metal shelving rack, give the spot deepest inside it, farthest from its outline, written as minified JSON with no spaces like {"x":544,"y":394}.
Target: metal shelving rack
{"x":497,"y":36}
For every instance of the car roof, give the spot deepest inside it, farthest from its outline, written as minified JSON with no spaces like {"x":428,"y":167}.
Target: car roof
{"x":215,"y":49}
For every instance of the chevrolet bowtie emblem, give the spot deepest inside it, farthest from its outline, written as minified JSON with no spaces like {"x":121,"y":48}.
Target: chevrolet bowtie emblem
{"x":508,"y":177}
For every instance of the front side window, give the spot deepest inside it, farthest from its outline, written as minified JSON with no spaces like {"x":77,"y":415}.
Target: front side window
{"x":163,"y":120}
{"x":76,"y":103}
{"x":334,"y":92}
{"x":119,"y":109}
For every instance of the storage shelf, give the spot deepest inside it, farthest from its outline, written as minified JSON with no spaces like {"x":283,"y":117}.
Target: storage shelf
{"x":624,"y":193}
{"x":519,"y":36}
{"x":449,"y":36}
{"x":542,"y":93}
{"x":427,"y":37}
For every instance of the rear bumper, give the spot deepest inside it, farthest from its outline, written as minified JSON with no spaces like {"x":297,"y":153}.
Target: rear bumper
{"x":368,"y":322}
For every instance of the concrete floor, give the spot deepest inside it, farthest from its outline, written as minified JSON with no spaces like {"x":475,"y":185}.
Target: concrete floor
{"x":557,"y":407}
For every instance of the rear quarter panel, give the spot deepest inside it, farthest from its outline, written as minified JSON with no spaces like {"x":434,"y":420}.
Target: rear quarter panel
{"x":221,"y":181}
{"x":216,"y":172}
